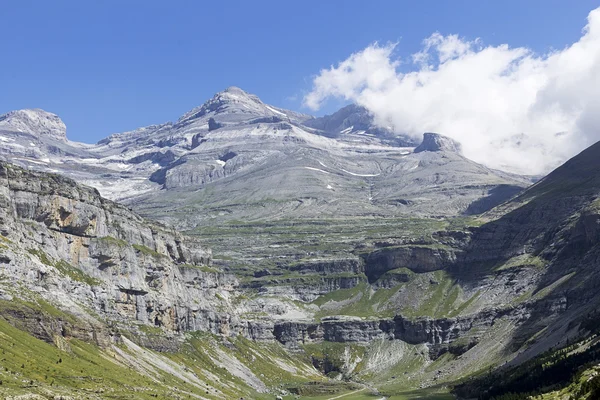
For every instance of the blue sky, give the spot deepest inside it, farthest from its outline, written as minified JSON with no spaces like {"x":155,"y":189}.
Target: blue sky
{"x":112,"y":66}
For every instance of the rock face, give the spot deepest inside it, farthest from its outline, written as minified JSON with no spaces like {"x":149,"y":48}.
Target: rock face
{"x":35,"y":122}
{"x":416,"y":258}
{"x":330,"y":266}
{"x":437,"y":142}
{"x":439,"y":334}
{"x":71,"y":242}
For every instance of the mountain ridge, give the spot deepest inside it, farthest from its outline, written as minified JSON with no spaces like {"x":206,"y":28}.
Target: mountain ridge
{"x":188,"y":153}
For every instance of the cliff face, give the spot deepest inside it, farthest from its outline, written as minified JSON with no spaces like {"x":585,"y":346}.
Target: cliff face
{"x":70,"y":246}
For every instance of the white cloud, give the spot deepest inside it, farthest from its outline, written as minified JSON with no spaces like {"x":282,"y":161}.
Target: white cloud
{"x":509,"y":107}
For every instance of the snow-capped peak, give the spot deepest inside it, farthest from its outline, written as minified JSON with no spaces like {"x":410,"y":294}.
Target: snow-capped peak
{"x":35,"y":122}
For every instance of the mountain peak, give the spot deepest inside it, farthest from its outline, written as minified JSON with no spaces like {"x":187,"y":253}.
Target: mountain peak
{"x":235,"y":90}
{"x":234,"y":105}
{"x":436,"y":142}
{"x":232,"y":100}
{"x":35,"y":122}
{"x":234,"y":94}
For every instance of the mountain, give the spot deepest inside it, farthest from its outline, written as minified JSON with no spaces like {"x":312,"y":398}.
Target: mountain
{"x":87,"y":282}
{"x":314,"y":265}
{"x":235,"y":157}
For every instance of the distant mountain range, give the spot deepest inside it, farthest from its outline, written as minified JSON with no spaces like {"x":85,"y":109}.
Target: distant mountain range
{"x":236,"y":157}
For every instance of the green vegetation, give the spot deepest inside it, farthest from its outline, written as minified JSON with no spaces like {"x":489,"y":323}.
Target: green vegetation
{"x":65,"y":268}
{"x":31,"y":365}
{"x":520,"y":261}
{"x":204,"y":366}
{"x":209,"y":355}
{"x":34,"y":306}
{"x":434,"y":294}
{"x":75,"y":273}
{"x":341,"y":294}
{"x":203,"y":268}
{"x":113,"y":241}
{"x":424,"y":394}
{"x":371,"y":304}
{"x":4,"y":242}
{"x":327,"y":390}
{"x":147,"y":251}
{"x":438,"y":300}
{"x":464,"y":306}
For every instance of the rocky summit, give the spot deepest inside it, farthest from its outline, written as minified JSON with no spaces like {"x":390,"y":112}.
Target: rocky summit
{"x":248,"y":251}
{"x":436,"y":142}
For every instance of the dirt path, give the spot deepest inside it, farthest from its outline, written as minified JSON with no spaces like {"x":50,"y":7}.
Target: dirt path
{"x":347,"y":394}
{"x":356,"y":391}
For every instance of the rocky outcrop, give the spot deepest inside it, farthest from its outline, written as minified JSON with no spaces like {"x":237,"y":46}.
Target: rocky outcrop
{"x":437,"y":142}
{"x":305,"y":288}
{"x":354,"y":265}
{"x":36,"y":122}
{"x":416,"y":258}
{"x":356,"y":120}
{"x":157,"y":157}
{"x":213,"y":125}
{"x":438,"y":333}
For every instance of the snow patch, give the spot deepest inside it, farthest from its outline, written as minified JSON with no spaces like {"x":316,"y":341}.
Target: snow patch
{"x":364,"y":175}
{"x":39,"y":162}
{"x":347,"y":130}
{"x":317,"y":169}
{"x":275,"y":111}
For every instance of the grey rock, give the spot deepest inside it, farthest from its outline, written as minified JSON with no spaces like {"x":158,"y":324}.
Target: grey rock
{"x":437,"y":142}
{"x":35,"y":122}
{"x":417,"y":258}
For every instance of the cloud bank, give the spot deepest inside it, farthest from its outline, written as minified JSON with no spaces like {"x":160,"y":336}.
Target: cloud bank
{"x":510,"y":108}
